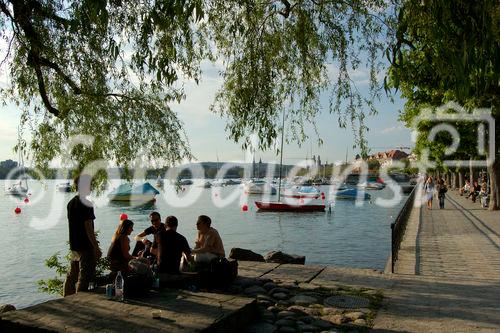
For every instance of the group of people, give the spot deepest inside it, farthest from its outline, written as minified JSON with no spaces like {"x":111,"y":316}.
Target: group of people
{"x":166,"y":250}
{"x":431,"y":187}
{"x":475,"y":191}
{"x":168,"y":246}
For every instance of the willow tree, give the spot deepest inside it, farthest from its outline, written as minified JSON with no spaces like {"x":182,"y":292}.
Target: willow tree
{"x":450,"y":51}
{"x":112,"y":69}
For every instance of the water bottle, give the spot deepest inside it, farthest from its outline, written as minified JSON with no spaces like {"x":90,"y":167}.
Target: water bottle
{"x":119,"y":285}
{"x":156,"y":277}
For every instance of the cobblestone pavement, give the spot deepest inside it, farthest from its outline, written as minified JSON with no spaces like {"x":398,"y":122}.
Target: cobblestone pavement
{"x":448,"y":273}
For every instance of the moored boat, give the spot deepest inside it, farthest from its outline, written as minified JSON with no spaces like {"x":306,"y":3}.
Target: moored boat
{"x":281,"y":206}
{"x":371,"y":186}
{"x":64,"y":187}
{"x":259,"y":186}
{"x":185,"y":182}
{"x":352,"y":194}
{"x":130,"y":193}
{"x":160,"y":182}
{"x":299,"y":192}
{"x":17,"y":189}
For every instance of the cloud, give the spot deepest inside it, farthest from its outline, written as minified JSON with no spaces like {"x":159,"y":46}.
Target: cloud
{"x":392,"y":129}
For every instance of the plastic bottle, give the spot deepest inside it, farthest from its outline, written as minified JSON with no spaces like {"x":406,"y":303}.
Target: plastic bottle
{"x":156,"y":277}
{"x":119,"y":285}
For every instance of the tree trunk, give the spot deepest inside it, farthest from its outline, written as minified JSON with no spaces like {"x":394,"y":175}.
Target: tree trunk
{"x":494,"y":173}
{"x":460,"y":178}
{"x":447,"y":179}
{"x":471,"y":173}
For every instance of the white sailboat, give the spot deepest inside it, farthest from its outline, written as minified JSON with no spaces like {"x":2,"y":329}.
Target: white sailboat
{"x":18,"y":188}
{"x":292,"y":204}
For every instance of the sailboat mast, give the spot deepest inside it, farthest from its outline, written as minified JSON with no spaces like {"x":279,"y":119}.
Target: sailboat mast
{"x":281,"y":154}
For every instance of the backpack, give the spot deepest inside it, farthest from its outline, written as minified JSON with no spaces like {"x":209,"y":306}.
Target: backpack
{"x":222,"y":272}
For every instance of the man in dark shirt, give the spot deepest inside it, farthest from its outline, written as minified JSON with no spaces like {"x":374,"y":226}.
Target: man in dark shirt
{"x":84,"y":247}
{"x":156,"y":226}
{"x":171,"y":246}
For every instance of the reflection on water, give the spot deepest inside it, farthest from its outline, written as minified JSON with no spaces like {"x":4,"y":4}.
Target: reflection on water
{"x":354,"y":236}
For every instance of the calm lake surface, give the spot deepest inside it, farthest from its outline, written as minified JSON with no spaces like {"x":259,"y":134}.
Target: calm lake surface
{"x":352,"y":236}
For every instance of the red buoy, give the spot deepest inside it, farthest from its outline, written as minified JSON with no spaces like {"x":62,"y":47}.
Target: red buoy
{"x":244,"y":207}
{"x":17,"y":210}
{"x":26,"y":200}
{"x":123,"y":217}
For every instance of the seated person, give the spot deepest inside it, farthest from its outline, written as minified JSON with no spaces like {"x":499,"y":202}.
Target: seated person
{"x":118,"y":252}
{"x":465,"y":189}
{"x":474,"y":191}
{"x":208,"y":243}
{"x":144,"y":246}
{"x":171,"y":247}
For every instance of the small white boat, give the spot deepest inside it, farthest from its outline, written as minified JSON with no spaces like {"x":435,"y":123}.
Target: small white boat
{"x":259,"y":186}
{"x":218,"y":183}
{"x":17,"y":189}
{"x":302,"y":192}
{"x":371,"y":186}
{"x":185,"y":182}
{"x":64,"y":187}
{"x":205,"y":184}
{"x":160,"y":182}
{"x":352,"y":194}
{"x":233,"y":182}
{"x":130,"y":193}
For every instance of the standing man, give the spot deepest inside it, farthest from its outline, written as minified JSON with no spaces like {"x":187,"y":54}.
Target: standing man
{"x":84,"y":247}
{"x":171,"y":247}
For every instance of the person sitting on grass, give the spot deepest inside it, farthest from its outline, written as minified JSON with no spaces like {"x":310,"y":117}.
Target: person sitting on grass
{"x":208,"y":244}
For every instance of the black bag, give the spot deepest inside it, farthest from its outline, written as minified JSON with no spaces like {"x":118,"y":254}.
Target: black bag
{"x":137,"y":285}
{"x":223,"y":272}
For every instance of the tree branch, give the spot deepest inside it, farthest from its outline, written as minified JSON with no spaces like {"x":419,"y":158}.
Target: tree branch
{"x":43,"y":92}
{"x":8,"y":52}
{"x":47,"y":63}
{"x":288,"y":8}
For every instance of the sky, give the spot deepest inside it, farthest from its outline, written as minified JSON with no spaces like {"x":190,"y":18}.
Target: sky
{"x":208,"y":139}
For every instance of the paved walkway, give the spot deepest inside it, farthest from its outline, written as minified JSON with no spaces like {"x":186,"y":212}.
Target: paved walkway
{"x":448,"y":274}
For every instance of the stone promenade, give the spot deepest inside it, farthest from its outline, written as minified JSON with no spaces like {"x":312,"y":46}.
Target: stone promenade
{"x":448,"y":274}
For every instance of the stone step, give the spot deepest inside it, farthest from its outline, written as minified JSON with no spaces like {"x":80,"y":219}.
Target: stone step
{"x":174,"y":311}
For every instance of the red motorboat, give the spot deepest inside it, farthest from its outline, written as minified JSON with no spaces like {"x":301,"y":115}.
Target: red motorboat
{"x":285,"y":207}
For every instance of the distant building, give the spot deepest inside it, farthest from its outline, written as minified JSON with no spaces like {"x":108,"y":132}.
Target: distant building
{"x":387,"y":158}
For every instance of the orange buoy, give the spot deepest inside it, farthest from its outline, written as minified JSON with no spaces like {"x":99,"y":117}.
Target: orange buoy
{"x":17,"y":210}
{"x":123,"y":217}
{"x":244,"y":207}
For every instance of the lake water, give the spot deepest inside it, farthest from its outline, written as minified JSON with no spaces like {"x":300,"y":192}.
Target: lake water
{"x":352,"y":236}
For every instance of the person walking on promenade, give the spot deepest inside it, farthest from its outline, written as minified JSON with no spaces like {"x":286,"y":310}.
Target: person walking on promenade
{"x":441,"y":189}
{"x":83,"y":244}
{"x":429,"y":191}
